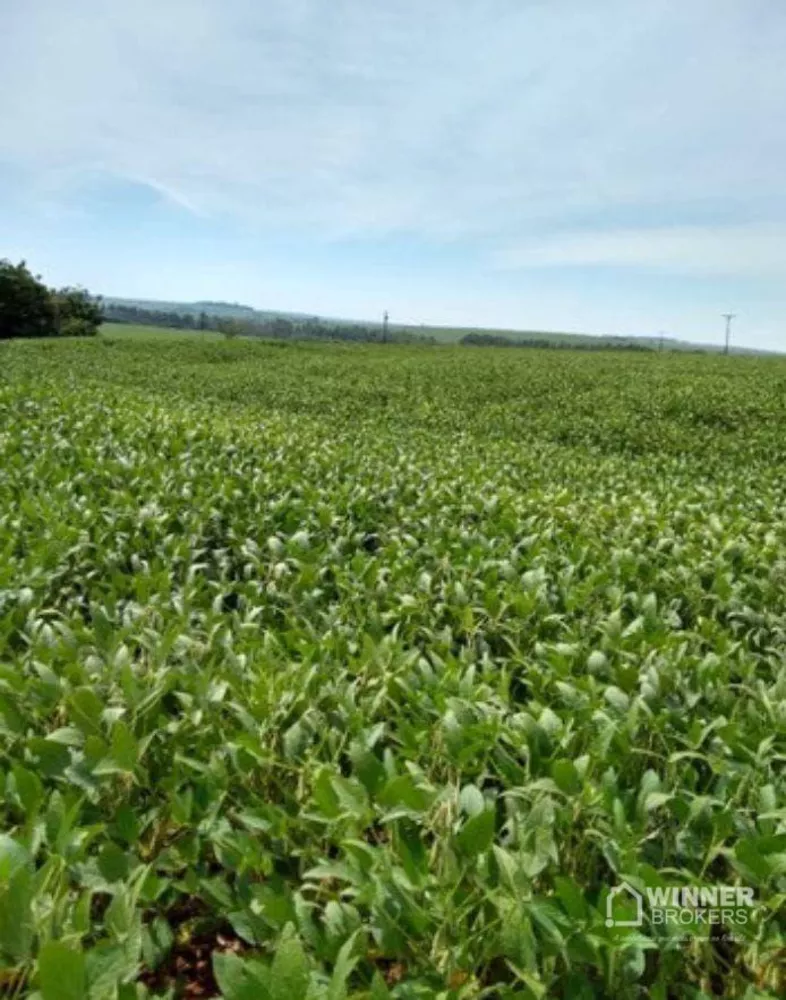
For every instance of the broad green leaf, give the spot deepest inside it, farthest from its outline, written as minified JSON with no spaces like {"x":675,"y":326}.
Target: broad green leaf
{"x":289,"y":974}
{"x":238,"y":979}
{"x":61,"y":972}
{"x":477,"y":833}
{"x":16,"y":896}
{"x":29,"y":789}
{"x":566,"y":777}
{"x":471,"y":800}
{"x":124,"y":746}
{"x":345,"y":963}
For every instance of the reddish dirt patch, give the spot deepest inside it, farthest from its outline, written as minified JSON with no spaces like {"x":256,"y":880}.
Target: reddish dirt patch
{"x":188,"y":967}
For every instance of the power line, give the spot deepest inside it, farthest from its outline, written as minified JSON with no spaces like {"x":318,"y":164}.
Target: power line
{"x":728,"y":317}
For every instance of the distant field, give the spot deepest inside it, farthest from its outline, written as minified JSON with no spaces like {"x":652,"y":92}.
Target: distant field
{"x":441,"y":334}
{"x":127,"y":331}
{"x":352,"y":672}
{"x":447,"y":335}
{"x":444,"y":335}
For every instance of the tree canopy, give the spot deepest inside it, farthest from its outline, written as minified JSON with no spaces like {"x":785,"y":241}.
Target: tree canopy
{"x":28,"y":308}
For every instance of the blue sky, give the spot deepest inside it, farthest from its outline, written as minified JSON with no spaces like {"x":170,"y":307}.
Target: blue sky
{"x":606,"y":167}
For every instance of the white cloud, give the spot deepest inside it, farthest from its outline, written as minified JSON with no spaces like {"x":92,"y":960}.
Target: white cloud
{"x":503,"y":121}
{"x":754,"y":250}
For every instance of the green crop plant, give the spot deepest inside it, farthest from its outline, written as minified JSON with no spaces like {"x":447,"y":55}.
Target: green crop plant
{"x":335,"y":671}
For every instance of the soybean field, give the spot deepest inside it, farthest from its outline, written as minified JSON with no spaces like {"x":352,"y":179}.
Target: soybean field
{"x":335,"y":671}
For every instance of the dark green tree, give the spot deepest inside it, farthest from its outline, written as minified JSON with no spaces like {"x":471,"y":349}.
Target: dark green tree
{"x":78,"y":315}
{"x":232,"y":328}
{"x":26,"y":305}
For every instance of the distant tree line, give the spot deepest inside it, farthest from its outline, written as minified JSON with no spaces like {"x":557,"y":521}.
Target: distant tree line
{"x":29,"y":309}
{"x":585,"y":344}
{"x":274,"y":327}
{"x":117,"y":313}
{"x":281,"y":328}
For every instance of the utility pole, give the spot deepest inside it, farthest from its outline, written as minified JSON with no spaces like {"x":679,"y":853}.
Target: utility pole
{"x":660,"y":341}
{"x":728,"y":317}
{"x":385,"y":327}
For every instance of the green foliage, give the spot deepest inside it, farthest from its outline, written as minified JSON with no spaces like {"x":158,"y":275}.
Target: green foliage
{"x":16,"y":895}
{"x":357,"y":673}
{"x":26,"y":306}
{"x":78,"y":314}
{"x":477,"y":338}
{"x":61,"y":972}
{"x":29,"y":309}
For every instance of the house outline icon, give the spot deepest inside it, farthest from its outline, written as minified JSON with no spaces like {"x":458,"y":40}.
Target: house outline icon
{"x":637,"y":898}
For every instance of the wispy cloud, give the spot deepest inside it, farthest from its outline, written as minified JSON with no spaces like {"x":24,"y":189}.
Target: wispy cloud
{"x":493,"y":117}
{"x":756,"y":250}
{"x":166,"y":192}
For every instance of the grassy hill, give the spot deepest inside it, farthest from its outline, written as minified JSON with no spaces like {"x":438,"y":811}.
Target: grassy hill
{"x":131,"y":331}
